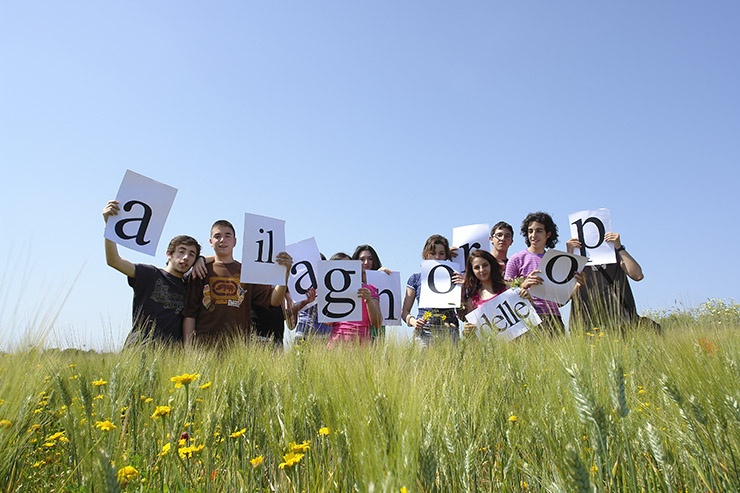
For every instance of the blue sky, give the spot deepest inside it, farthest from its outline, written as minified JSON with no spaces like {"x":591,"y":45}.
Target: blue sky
{"x":362,"y":122}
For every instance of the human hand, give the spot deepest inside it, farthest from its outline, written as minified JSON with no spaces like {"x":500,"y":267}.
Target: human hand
{"x":614,"y":238}
{"x":457,"y":278}
{"x":386,"y":270}
{"x":469,"y":330}
{"x":573,"y":244}
{"x":364,"y":293}
{"x":199,"y":268}
{"x":110,"y":209}
{"x":284,"y":259}
{"x":580,"y":280}
{"x":532,"y":279}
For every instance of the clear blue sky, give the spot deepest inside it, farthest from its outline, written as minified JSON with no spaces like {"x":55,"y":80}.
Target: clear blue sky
{"x":363,"y":122}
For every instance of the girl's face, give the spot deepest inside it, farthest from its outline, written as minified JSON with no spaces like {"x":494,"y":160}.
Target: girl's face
{"x":366,"y":257}
{"x":439,"y":253}
{"x":481,"y":269}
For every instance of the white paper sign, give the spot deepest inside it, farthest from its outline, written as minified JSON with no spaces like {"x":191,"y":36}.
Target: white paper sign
{"x":302,"y":277}
{"x":558,"y":270}
{"x":467,"y":239}
{"x":590,"y":227}
{"x":508,"y":315}
{"x":145,"y":205}
{"x":437,"y":288}
{"x":264,"y":238}
{"x":389,"y":289}
{"x":339,"y":281}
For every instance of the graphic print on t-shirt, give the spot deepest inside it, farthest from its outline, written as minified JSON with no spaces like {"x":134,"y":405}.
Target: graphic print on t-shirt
{"x":169,"y":300}
{"x":223,"y":291}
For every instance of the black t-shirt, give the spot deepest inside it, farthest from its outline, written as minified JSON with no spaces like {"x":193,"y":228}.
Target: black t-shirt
{"x":159,"y":298}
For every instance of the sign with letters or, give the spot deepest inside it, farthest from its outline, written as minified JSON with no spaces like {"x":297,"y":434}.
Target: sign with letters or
{"x":264,"y":238}
{"x":558,"y":271}
{"x":145,"y":205}
{"x":302,"y":276}
{"x":508,"y":315}
{"x":437,"y":288}
{"x":339,"y":281}
{"x":590,"y":228}
{"x":467,"y":239}
{"x":389,"y":290}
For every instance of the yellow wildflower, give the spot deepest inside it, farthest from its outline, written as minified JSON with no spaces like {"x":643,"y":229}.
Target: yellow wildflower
{"x":99,"y":383}
{"x":105,"y":425}
{"x":161,"y":411}
{"x":291,"y":459}
{"x":99,"y":397}
{"x":300,"y":447}
{"x":323,"y":431}
{"x":206,"y":385}
{"x":59,"y":435}
{"x":165,"y":449}
{"x":187,"y":452}
{"x":404,"y":489}
{"x":513,"y":418}
{"x":239,"y":433}
{"x":127,"y":474}
{"x":4,"y":423}
{"x":257,"y":461}
{"x":184,"y":379}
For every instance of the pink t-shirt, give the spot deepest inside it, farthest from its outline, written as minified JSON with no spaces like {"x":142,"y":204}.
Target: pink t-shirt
{"x":354,"y":331}
{"x":476,"y":300}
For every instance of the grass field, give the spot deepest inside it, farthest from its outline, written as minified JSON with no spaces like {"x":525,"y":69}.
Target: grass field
{"x":595,"y":411}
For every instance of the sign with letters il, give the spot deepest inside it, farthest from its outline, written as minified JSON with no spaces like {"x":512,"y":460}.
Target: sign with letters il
{"x":508,"y":315}
{"x":469,"y":238}
{"x":389,"y":290}
{"x":557,"y":271}
{"x":302,"y":277}
{"x":145,"y":205}
{"x":437,"y":288}
{"x":590,"y":227}
{"x":339,"y":281}
{"x":264,"y":238}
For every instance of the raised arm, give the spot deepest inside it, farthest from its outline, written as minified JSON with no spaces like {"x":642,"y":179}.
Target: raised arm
{"x":111,"y":249}
{"x":278,"y":292}
{"x":628,"y":264}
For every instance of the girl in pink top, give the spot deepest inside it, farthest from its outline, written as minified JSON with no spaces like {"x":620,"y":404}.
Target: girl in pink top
{"x":483,"y":282}
{"x":359,"y":331}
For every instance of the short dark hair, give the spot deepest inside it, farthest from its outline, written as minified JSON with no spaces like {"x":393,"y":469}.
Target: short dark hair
{"x":376,"y":260}
{"x":223,"y":223}
{"x":432,"y":243}
{"x":340,"y":256}
{"x":502,"y":225}
{"x":546,"y":220}
{"x":183,"y":240}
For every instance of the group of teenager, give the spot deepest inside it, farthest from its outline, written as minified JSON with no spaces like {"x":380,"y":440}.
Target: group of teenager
{"x":201,"y":300}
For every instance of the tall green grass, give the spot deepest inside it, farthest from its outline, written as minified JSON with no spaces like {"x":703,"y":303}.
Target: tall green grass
{"x":595,"y":411}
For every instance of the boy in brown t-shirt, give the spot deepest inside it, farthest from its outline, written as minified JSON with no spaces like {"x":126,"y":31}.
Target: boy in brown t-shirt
{"x":218,"y":307}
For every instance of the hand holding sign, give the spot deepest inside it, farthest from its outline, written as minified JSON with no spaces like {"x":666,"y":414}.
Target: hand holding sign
{"x":558,"y":276}
{"x":508,"y":315}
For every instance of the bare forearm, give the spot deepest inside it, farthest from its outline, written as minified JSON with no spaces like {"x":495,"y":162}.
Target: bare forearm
{"x":188,"y":330}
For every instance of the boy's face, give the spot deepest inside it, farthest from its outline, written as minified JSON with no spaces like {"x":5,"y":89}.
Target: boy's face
{"x":182,"y":258}
{"x":222,"y":240}
{"x":501,"y":239}
{"x":537,"y":236}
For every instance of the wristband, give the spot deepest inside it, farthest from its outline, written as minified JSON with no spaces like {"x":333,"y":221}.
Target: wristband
{"x":621,"y":249}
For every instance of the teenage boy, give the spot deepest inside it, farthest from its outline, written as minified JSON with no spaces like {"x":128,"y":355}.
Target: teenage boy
{"x":540,"y":232}
{"x":607,"y":300}
{"x":502,"y":236}
{"x":159,"y":294}
{"x":218,"y":308}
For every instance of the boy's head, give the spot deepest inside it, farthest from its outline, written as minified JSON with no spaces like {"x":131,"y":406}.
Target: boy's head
{"x":223,"y":238}
{"x":340,"y":256}
{"x":502,"y":236}
{"x":181,"y":253}
{"x":541,"y":220}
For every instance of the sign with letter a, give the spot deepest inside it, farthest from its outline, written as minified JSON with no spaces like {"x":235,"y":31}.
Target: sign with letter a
{"x":389,"y":291}
{"x":339,"y":281}
{"x":302,"y":277}
{"x":264,"y":238}
{"x":590,"y":227}
{"x":145,"y":205}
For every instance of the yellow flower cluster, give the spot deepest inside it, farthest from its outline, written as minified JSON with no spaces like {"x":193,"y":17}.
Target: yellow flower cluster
{"x":127,"y":474}
{"x":184,"y":379}
{"x":187,"y":452}
{"x":161,"y":412}
{"x":105,"y":425}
